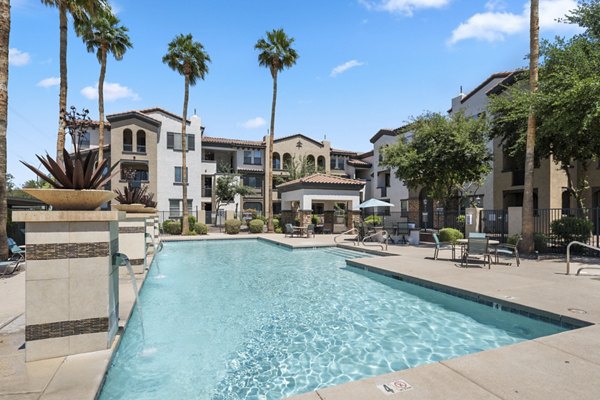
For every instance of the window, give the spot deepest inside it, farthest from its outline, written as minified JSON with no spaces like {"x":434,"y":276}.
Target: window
{"x":84,"y":140}
{"x":141,"y":141}
{"x":176,"y":208}
{"x":276,"y":161}
{"x":174,"y":141}
{"x":253,"y":181}
{"x":252,"y":157}
{"x":178,"y":177}
{"x":209,"y":155}
{"x":127,"y":140}
{"x":341,"y":163}
{"x":333,"y":163}
{"x":136,"y":174}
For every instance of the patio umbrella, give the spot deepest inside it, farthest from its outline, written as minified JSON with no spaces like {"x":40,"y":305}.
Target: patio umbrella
{"x":374,"y":203}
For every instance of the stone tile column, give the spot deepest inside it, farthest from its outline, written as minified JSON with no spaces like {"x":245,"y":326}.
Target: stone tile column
{"x":156,"y":229}
{"x":352,"y":217}
{"x":328,"y":218}
{"x":132,"y":240}
{"x":72,"y":283}
{"x":305,"y":217}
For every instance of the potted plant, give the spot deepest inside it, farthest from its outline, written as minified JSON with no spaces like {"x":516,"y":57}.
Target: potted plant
{"x":76,"y":181}
{"x":134,"y":198}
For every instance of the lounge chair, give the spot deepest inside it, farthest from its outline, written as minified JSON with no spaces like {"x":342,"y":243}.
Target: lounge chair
{"x":10,"y":266}
{"x":477,"y":248}
{"x":441,"y":246}
{"x":17,"y":253}
{"x":510,"y":250}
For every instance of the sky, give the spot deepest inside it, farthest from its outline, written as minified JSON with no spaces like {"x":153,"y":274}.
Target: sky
{"x":364,"y":64}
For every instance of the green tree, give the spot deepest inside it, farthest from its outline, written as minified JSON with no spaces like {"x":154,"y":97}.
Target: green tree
{"x":79,"y":9}
{"x":276,"y":54}
{"x":189,"y":59}
{"x":567,"y":105}
{"x":444,"y":154}
{"x":102,"y":34}
{"x":226,"y":188}
{"x":4,"y":45}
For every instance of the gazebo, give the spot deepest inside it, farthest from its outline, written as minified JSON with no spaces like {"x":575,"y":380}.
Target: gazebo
{"x":337,"y":197}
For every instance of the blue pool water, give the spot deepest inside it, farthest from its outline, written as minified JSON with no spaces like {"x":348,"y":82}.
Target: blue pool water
{"x":250,"y":320}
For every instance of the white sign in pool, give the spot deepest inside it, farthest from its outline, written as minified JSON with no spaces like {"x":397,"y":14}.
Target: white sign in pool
{"x":397,"y":386}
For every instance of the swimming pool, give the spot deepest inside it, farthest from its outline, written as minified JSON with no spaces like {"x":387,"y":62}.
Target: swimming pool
{"x":250,"y":320}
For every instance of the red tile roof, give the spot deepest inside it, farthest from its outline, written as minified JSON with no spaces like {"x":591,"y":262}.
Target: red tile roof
{"x":359,"y":163}
{"x":162,"y":110}
{"x":232,"y":142}
{"x":482,"y":84}
{"x":345,"y":152}
{"x":323,"y":179}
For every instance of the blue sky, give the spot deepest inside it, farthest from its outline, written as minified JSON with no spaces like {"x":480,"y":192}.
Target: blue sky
{"x":364,"y":64}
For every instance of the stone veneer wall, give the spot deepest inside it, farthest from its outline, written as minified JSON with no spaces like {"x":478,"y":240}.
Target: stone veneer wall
{"x":72,"y":284}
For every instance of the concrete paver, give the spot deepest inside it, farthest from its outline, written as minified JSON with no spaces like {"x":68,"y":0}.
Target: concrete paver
{"x":559,"y":366}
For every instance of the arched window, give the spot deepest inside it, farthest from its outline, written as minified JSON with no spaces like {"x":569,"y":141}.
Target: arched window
{"x":321,"y":164}
{"x":141,"y":141}
{"x":287,"y":160}
{"x":310,"y":160}
{"x":127,"y":140}
{"x":276,"y":161}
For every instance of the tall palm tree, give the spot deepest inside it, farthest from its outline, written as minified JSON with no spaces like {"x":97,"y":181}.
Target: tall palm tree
{"x":4,"y":36}
{"x":534,"y":55}
{"x":79,"y":9}
{"x":103,"y":34}
{"x":189,"y":59}
{"x":276,"y":54}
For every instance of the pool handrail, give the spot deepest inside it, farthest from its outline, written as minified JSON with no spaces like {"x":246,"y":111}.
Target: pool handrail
{"x":569,"y":256}
{"x":353,"y":230}
{"x":371,"y":244}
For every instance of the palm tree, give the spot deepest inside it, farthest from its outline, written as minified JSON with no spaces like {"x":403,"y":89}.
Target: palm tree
{"x":189,"y":59}
{"x":534,"y":55}
{"x":103,"y":34}
{"x":276,"y":54}
{"x":4,"y":36}
{"x":79,"y":9}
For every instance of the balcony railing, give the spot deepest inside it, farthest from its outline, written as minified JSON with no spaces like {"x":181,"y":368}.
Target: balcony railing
{"x":207,"y":192}
{"x":383,"y":191}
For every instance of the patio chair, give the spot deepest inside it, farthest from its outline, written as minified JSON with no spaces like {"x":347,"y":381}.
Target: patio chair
{"x":441,"y":246}
{"x":476,"y":235}
{"x":310,"y":230}
{"x":8,"y":267}
{"x":510,"y":250}
{"x":289,"y":230}
{"x":477,"y":248}
{"x":17,"y":253}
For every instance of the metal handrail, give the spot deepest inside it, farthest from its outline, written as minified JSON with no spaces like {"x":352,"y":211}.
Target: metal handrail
{"x":383,"y":232}
{"x":569,"y":255}
{"x":353,"y":230}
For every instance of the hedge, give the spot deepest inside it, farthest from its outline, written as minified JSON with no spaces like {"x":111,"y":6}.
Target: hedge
{"x":232,"y":226}
{"x":450,"y":235}
{"x":201,"y":228}
{"x":256,"y":226}
{"x":172,"y":227}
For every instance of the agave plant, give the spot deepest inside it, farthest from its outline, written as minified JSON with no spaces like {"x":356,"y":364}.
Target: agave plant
{"x":77,"y":171}
{"x":131,"y":195}
{"x":148,"y":200}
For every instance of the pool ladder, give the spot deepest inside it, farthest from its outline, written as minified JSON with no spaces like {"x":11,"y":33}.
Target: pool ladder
{"x":569,"y":256}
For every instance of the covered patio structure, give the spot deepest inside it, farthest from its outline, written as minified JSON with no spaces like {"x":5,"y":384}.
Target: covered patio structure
{"x":333,"y":199}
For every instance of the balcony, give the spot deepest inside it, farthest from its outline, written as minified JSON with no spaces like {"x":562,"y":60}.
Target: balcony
{"x":256,"y":192}
{"x":207,"y":192}
{"x":382,"y":191}
{"x":518,"y":178}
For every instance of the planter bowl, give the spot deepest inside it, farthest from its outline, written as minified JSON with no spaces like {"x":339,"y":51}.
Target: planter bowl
{"x":130,"y":208}
{"x":70,"y":199}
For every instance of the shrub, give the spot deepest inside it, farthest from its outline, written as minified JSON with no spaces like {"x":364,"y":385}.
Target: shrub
{"x":314,"y":219}
{"x":460,"y":221}
{"x":513,"y":239}
{"x":232,"y":226}
{"x":450,"y":235}
{"x":568,"y":229}
{"x":172,"y":227}
{"x":373,"y":220}
{"x":201,"y":228}
{"x":191,"y":221}
{"x":278,"y":230}
{"x":540,"y":242}
{"x":256,"y":226}
{"x":276,"y":223}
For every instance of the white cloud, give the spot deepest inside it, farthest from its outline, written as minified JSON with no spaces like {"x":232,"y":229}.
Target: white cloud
{"x":345,"y":67}
{"x":254,"y":123}
{"x":17,"y":57}
{"x":495,"y":5}
{"x":493,"y":25}
{"x":49,"y":82}
{"x":406,"y":7}
{"x":112,"y":92}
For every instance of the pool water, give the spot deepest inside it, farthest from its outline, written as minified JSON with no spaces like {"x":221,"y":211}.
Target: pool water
{"x":250,"y":320}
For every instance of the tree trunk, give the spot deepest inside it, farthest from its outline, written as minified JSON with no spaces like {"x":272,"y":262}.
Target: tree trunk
{"x":62,"y":99}
{"x":101,"y":105}
{"x":527,"y":244}
{"x":269,"y":157}
{"x":185,"y":226}
{"x":4,"y":37}
{"x":574,"y":189}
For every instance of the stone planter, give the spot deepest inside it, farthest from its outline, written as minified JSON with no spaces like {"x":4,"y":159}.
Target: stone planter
{"x":70,"y":199}
{"x":72,"y":282}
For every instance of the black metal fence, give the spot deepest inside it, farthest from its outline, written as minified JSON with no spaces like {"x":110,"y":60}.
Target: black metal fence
{"x":440,"y":219}
{"x":555,"y":228}
{"x":494,"y":223}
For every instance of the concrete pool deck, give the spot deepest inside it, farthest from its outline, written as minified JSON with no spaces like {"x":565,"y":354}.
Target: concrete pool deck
{"x":562,"y":366}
